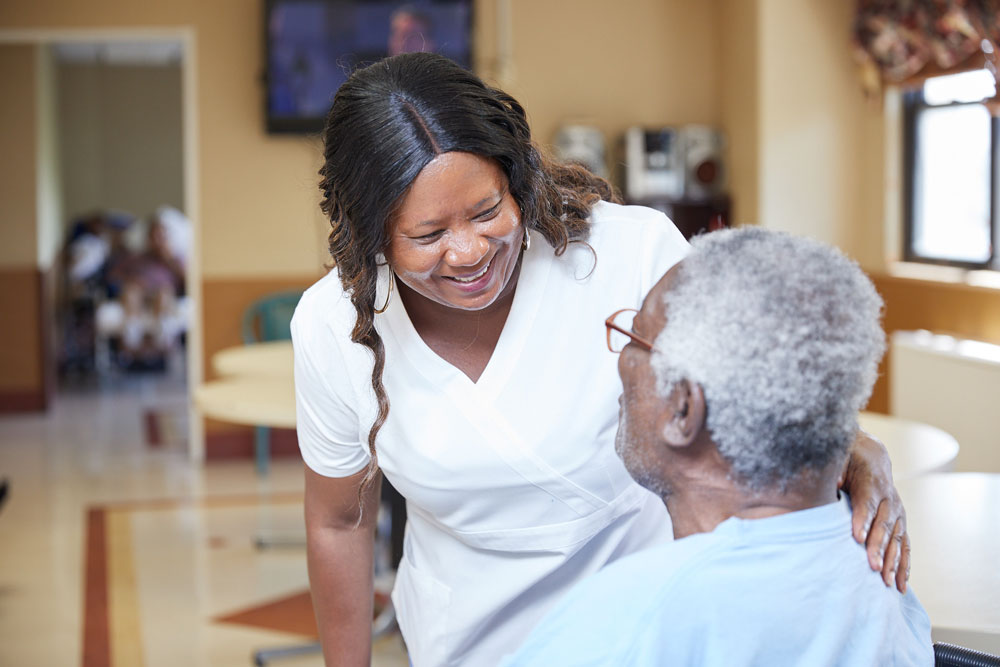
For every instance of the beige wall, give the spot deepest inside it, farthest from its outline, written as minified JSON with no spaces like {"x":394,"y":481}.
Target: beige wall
{"x":820,"y":143}
{"x":18,"y":206}
{"x":645,"y":62}
{"x":22,"y":374}
{"x":740,"y":100}
{"x":258,"y":193}
{"x":120,"y":129}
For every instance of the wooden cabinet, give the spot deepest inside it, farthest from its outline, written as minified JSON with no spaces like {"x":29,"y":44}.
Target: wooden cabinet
{"x":692,"y":217}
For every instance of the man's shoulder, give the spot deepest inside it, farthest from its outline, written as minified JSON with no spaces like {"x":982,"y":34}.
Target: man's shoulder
{"x":795,"y":583}
{"x":666,"y":559}
{"x":605,"y":616}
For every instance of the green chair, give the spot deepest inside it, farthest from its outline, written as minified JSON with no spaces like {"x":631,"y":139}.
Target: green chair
{"x":269,"y":318}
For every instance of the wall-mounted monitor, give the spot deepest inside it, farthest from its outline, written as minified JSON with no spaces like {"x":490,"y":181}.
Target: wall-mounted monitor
{"x":312,"y":46}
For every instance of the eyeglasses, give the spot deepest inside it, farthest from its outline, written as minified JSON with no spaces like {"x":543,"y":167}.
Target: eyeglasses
{"x":619,"y":327}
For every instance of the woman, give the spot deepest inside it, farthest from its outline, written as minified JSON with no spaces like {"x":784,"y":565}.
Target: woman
{"x":472,"y":280}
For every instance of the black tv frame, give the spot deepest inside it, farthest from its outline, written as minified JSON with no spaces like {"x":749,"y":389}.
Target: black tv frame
{"x":314,"y":125}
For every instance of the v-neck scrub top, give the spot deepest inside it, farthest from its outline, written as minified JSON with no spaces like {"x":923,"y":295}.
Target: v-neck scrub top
{"x":513,"y":489}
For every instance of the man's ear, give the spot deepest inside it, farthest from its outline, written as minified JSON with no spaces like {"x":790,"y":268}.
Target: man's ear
{"x":684,"y":417}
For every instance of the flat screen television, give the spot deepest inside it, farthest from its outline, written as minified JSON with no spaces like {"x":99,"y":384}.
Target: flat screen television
{"x":312,"y":46}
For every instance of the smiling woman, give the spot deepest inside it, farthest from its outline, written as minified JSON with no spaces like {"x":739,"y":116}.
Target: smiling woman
{"x":454,"y":246}
{"x":433,"y":185}
{"x":455,"y":238}
{"x":441,"y":302}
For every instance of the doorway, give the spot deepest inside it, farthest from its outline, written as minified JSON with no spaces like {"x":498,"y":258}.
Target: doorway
{"x":116,"y":119}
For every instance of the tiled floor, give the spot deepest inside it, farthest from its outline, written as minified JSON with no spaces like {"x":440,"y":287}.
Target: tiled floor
{"x":117,"y":553}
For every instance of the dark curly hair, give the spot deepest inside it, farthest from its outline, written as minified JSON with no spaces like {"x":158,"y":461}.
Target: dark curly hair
{"x":388,"y":120}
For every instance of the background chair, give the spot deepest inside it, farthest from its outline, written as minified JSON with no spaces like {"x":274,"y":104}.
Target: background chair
{"x":950,"y":655}
{"x":268,"y":319}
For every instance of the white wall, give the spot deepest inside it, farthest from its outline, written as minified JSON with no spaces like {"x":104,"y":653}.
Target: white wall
{"x":740,"y":38}
{"x":49,"y":195}
{"x":120,"y":133}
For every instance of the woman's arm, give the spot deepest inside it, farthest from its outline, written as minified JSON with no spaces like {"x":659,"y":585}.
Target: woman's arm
{"x":879,"y":517}
{"x":340,"y":564}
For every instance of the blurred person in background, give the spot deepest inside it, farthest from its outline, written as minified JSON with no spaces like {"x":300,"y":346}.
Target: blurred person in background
{"x":147,"y":308}
{"x":410,"y":31}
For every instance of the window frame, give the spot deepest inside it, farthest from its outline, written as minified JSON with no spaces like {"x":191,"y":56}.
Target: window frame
{"x":913,"y":104}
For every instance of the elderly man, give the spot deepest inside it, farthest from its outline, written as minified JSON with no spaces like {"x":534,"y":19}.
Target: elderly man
{"x":743,"y":375}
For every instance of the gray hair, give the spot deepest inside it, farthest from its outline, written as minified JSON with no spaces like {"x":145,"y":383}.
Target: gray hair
{"x":783,"y":335}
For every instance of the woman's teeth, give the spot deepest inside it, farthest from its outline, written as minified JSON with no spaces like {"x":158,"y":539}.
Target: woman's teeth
{"x":470,"y":279}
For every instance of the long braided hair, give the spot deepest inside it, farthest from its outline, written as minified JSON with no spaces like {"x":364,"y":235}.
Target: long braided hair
{"x":388,"y":120}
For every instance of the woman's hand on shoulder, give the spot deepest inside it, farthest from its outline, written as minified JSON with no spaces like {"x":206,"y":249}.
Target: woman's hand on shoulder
{"x":879,"y":520}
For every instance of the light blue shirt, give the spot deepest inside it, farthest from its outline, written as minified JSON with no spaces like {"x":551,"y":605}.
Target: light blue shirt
{"x":794,"y":589}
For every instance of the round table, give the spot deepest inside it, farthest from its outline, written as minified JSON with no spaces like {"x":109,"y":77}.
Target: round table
{"x":914,"y":448}
{"x":253,"y":401}
{"x":954,"y":525}
{"x":255,"y":389}
{"x":270,"y":359}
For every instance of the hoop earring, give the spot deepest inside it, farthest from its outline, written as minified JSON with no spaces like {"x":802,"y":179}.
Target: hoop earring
{"x":526,"y":241}
{"x":392,"y":284}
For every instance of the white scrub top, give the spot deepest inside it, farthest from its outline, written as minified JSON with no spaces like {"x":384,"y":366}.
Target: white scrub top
{"x":513,"y":489}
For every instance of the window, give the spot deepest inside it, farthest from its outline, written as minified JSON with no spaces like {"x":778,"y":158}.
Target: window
{"x":952,"y":206}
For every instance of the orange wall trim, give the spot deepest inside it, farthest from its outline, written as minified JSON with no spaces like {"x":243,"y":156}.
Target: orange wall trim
{"x":231,"y":443}
{"x":24,"y":380}
{"x":960,"y":310}
{"x":23,"y":401}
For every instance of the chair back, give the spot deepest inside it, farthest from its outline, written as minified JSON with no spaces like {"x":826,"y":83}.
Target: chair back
{"x":950,"y":655}
{"x":270,"y":317}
